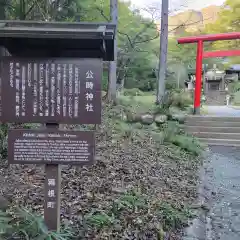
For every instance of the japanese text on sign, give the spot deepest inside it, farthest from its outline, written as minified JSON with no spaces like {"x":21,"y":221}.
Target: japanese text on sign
{"x":61,"y":91}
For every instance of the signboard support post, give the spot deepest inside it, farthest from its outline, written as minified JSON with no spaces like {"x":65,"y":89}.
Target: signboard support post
{"x":52,"y":192}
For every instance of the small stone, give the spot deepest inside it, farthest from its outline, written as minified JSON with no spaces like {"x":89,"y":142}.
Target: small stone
{"x":147,"y":119}
{"x":179,"y":117}
{"x":160,"y":119}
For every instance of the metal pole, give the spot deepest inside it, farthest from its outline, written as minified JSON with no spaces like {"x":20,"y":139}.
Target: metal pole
{"x":112,"y":74}
{"x":163,"y":53}
{"x":198,"y":84}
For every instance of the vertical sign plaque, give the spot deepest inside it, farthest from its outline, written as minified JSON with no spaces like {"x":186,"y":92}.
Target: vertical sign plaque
{"x":52,"y":196}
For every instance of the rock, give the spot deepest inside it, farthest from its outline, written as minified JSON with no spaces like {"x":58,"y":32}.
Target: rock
{"x":147,"y":119}
{"x":179,"y":117}
{"x":3,"y":203}
{"x":132,"y":117}
{"x":138,"y":125}
{"x":160,"y":119}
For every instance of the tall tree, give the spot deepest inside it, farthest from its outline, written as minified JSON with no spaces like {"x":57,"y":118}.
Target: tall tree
{"x":228,"y":21}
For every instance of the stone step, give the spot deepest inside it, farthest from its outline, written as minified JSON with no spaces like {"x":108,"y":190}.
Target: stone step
{"x":210,"y":129}
{"x":191,"y":119}
{"x":212,"y":124}
{"x":220,"y":142}
{"x":217,"y":135}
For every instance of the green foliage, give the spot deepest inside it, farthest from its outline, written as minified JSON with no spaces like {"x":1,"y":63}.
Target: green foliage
{"x":173,"y":217}
{"x":22,"y":224}
{"x":174,"y":134}
{"x":187,"y":143}
{"x":133,"y":92}
{"x":228,"y":21}
{"x":233,"y":87}
{"x":177,"y":98}
{"x":3,"y":140}
{"x":130,"y":201}
{"x":99,"y":220}
{"x":236,"y":98}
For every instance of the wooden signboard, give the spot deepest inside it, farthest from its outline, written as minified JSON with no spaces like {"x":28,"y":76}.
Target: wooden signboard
{"x":51,"y":90}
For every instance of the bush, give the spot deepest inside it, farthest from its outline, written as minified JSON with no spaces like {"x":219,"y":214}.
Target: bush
{"x":175,"y":135}
{"x":236,"y":98}
{"x":22,"y":224}
{"x":187,"y":143}
{"x":181,"y":100}
{"x":233,"y":87}
{"x":133,"y":92}
{"x":173,"y":217}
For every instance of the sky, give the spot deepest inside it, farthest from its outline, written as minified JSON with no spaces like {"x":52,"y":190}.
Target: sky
{"x":175,"y":5}
{"x":179,"y":4}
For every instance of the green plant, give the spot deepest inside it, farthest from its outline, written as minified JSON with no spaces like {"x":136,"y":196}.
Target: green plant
{"x":99,"y":219}
{"x":22,"y":224}
{"x":4,"y":222}
{"x":131,"y":201}
{"x":3,"y":140}
{"x":187,"y":143}
{"x":133,"y":92}
{"x":236,"y":98}
{"x":173,"y":217}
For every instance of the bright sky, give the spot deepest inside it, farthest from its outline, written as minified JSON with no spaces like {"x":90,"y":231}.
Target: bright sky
{"x":175,"y":5}
{"x":190,"y":4}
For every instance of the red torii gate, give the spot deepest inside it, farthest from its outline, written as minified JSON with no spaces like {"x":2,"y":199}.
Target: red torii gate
{"x":200,"y":55}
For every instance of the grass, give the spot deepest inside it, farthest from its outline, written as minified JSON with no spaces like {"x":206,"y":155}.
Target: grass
{"x":145,"y":99}
{"x":131,"y":203}
{"x":22,"y":224}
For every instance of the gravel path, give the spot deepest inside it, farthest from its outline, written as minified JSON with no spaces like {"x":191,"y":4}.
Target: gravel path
{"x":219,"y":190}
{"x":223,"y":111}
{"x":225,"y":180}
{"x":220,"y":194}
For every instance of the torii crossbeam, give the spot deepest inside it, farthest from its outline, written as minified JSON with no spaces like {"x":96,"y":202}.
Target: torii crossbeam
{"x":200,"y":55}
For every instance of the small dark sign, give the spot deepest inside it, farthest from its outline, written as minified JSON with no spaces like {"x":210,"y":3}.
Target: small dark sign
{"x":51,"y":90}
{"x":50,"y":147}
{"x":52,"y":196}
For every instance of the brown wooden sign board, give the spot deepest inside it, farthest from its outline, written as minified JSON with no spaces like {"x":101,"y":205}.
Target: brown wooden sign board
{"x":50,"y":146}
{"x":51,"y":90}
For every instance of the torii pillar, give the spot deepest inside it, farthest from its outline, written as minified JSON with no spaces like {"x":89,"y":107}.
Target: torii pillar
{"x":200,"y":55}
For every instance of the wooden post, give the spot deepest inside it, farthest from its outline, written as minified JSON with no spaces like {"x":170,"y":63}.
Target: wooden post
{"x":163,"y":53}
{"x":52,"y":190}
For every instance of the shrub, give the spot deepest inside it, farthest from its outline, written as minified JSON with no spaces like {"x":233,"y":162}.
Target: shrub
{"x":187,"y":143}
{"x":173,"y":217}
{"x":236,"y":98}
{"x":174,"y":134}
{"x":233,"y":87}
{"x":181,"y":100}
{"x":133,"y":92}
{"x":22,"y":224}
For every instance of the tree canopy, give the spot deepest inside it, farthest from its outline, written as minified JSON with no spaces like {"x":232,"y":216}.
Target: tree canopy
{"x":228,"y":21}
{"x":138,"y":37}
